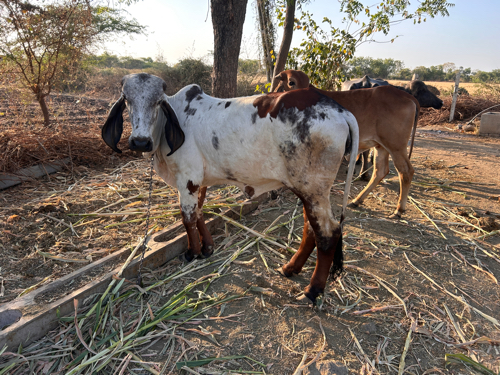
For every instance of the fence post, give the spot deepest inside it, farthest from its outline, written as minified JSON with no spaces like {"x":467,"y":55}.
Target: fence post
{"x":455,"y":95}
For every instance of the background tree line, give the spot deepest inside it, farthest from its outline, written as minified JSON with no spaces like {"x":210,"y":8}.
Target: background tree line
{"x":394,"y":69}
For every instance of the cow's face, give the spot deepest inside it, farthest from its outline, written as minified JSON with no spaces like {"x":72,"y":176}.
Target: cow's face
{"x":143,"y":94}
{"x":425,"y":98}
{"x":292,"y":80}
{"x":150,"y":114}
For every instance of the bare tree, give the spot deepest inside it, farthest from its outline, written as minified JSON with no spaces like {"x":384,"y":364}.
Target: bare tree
{"x":267,"y":33}
{"x":285,"y":42}
{"x":44,"y":39}
{"x":228,"y":17}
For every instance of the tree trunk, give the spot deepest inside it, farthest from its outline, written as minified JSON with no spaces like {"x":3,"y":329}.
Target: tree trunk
{"x":285,"y":42}
{"x":267,"y":36}
{"x":45,"y":110}
{"x":228,"y":17}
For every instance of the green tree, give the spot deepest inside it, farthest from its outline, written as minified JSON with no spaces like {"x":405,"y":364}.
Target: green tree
{"x":325,"y":54}
{"x":43,"y":39}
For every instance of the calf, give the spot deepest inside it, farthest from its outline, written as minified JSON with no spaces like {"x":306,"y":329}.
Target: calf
{"x":387,"y":117}
{"x":257,"y":143}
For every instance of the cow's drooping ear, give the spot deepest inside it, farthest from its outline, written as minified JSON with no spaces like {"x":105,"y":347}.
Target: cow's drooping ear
{"x":281,"y":76}
{"x":113,"y":127}
{"x":173,"y":132}
{"x":281,"y":85}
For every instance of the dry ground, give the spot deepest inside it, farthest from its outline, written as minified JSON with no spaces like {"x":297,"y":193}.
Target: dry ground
{"x":414,"y":289}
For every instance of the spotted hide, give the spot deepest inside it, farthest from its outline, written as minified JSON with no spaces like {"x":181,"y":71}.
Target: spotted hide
{"x":258,"y":143}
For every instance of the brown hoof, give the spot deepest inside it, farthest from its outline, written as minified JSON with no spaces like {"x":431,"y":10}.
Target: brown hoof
{"x":395,"y":215}
{"x":366,"y":177}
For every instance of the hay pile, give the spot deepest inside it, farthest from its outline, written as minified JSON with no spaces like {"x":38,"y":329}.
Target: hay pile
{"x":74,"y":132}
{"x":466,"y":108}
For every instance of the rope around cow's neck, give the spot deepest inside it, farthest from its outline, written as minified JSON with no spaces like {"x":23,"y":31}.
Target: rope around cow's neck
{"x":144,"y":246}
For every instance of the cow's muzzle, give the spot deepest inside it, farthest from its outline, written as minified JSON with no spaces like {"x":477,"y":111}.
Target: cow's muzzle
{"x":140,"y":144}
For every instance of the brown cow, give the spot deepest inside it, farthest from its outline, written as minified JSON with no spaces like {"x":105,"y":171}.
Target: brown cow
{"x":387,"y":117}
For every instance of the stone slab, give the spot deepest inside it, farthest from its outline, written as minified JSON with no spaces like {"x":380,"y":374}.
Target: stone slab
{"x":12,"y":179}
{"x":490,"y":123}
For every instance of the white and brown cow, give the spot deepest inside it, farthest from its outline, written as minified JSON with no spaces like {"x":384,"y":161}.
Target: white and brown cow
{"x":257,"y":143}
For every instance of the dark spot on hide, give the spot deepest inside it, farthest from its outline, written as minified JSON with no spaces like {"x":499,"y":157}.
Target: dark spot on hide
{"x":199,"y":97}
{"x":189,"y":111}
{"x":254,"y":117}
{"x":322,"y":115}
{"x":192,"y":187}
{"x":143,"y":76}
{"x":249,"y":191}
{"x":215,"y":141}
{"x":227,"y":104}
{"x":229,"y":175}
{"x":219,"y":103}
{"x":193,"y":92}
{"x":209,"y":108}
{"x":300,"y":124}
{"x":288,"y":149}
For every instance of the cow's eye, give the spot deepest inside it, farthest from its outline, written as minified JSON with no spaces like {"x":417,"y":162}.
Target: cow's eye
{"x":292,"y":83}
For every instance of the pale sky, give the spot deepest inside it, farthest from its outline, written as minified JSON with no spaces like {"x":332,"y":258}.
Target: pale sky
{"x":469,"y":37}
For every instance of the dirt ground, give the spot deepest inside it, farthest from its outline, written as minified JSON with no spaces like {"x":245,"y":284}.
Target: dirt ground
{"x":413,"y":291}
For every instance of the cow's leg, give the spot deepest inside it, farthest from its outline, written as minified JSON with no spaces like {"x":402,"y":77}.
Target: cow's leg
{"x":405,"y":171}
{"x":207,"y":243}
{"x":365,"y":155}
{"x":380,"y":170}
{"x":328,"y":237}
{"x":189,"y":211}
{"x":294,"y":266}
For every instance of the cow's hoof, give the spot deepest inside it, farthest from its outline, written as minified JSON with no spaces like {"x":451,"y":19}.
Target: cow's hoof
{"x":304,"y":298}
{"x":283,"y":271}
{"x":395,"y":215}
{"x":274,"y":194}
{"x":313,"y":294}
{"x":287,"y":271}
{"x":366,"y":177}
{"x":186,"y":257}
{"x":353,"y":205}
{"x":206,"y":252}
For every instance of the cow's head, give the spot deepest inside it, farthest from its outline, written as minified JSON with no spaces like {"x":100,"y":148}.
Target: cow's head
{"x":425,"y":98}
{"x":292,"y":80}
{"x":150,"y":114}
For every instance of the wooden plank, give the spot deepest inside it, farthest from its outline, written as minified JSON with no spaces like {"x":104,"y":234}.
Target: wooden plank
{"x":36,"y":322}
{"x":455,"y":95}
{"x":12,"y":179}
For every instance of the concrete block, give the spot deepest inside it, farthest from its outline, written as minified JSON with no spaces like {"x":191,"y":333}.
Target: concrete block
{"x":8,"y":179}
{"x":490,"y":123}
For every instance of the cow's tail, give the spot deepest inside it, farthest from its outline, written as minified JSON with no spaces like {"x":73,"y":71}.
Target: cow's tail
{"x":414,"y":130}
{"x":354,"y":135}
